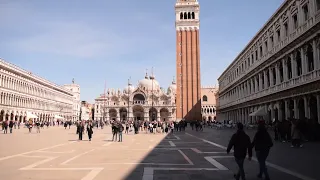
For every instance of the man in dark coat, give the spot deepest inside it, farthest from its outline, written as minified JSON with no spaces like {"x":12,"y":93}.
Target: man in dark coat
{"x":241,"y":143}
{"x":262,"y":143}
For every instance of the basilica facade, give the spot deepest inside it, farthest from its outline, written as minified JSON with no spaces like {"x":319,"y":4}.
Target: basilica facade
{"x":148,"y":101}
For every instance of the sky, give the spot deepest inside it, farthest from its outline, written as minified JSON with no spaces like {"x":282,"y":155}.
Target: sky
{"x":100,"y":42}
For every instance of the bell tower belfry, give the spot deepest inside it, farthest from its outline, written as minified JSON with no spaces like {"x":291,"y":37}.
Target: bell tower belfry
{"x":188,"y":60}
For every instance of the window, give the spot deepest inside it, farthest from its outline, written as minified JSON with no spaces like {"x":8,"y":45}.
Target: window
{"x":256,"y":54}
{"x":252,"y":59}
{"x":271,"y":41}
{"x":305,"y":12}
{"x":260,"y":51}
{"x":318,"y":4}
{"x":249,"y":62}
{"x":295,"y":21}
{"x":205,"y":98}
{"x":266,"y":46}
{"x":278,"y":36}
{"x":285,"y":29}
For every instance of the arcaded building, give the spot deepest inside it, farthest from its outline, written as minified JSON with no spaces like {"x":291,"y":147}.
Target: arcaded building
{"x":25,"y":95}
{"x":278,"y":72}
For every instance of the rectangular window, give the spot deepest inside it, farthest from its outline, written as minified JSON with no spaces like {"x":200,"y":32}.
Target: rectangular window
{"x":295,"y":21}
{"x":271,"y":41}
{"x":306,"y":12}
{"x":285,"y":29}
{"x":266,"y":46}
{"x":278,"y":36}
{"x":252,"y":59}
{"x":261,"y":51}
{"x":249,"y":62}
{"x":256,"y":54}
{"x":318,"y":4}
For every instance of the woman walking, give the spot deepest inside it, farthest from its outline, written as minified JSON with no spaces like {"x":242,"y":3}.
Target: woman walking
{"x":89,"y":130}
{"x":262,"y":143}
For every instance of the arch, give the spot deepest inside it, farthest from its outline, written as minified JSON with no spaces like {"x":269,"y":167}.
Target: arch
{"x":2,"y":115}
{"x":301,"y":109}
{"x":181,"y":15}
{"x":164,"y":114}
{"x":139,"y":97}
{"x":298,"y":61}
{"x":313,"y":109}
{"x":189,"y":15}
{"x":205,"y":98}
{"x":113,"y":114}
{"x":138,"y":112}
{"x":310,"y":60}
{"x":185,"y":16}
{"x":123,"y":114}
{"x":193,"y":15}
{"x":210,"y":118}
{"x":153,"y":114}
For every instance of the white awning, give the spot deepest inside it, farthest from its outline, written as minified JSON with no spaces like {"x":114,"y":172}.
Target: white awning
{"x":30,"y":115}
{"x":262,"y":111}
{"x":58,"y":117}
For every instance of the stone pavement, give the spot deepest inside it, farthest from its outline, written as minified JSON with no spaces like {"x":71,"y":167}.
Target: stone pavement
{"x":56,"y":154}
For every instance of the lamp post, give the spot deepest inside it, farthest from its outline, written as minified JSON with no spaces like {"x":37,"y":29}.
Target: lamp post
{"x":153,"y":115}
{"x":128,"y":99}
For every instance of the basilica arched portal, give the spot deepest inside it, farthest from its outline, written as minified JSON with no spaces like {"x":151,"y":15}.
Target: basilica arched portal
{"x":153,"y":114}
{"x":164,"y":114}
{"x":138,"y":112}
{"x":123,"y":114}
{"x":113,"y":114}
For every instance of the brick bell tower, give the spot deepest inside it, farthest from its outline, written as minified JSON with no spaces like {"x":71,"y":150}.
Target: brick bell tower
{"x":188,"y":98}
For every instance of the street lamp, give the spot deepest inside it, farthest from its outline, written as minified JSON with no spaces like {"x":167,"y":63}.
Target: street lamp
{"x":128,"y":99}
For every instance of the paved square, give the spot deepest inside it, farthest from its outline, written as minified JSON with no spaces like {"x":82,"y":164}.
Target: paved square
{"x":56,"y":154}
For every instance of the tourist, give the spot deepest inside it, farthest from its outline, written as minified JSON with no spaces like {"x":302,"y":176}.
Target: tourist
{"x":241,"y":143}
{"x":296,"y":134}
{"x":127,"y":128}
{"x":90,"y":130}
{"x":114,"y":131}
{"x":5,"y":127}
{"x":120,"y":127}
{"x":11,"y":124}
{"x":80,"y":130}
{"x":262,"y":143}
{"x":38,"y":126}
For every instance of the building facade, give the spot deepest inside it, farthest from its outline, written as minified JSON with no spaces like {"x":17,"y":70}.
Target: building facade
{"x":209,"y":102}
{"x":24,"y":95}
{"x":278,"y":71}
{"x":75,"y":89}
{"x":86,"y":111}
{"x":148,"y":101}
{"x":188,"y":60}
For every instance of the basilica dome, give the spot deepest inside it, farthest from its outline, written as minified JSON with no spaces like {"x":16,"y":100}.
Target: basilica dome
{"x":129,"y":89}
{"x":149,"y":83}
{"x":173,"y":86}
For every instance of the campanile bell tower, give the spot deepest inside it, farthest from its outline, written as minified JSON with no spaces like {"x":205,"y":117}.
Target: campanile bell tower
{"x":188,"y":98}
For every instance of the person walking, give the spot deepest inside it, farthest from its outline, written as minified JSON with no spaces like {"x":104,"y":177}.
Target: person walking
{"x":81,"y":129}
{"x":5,"y":127}
{"x":241,"y":143}
{"x":296,"y":134}
{"x":262,"y":143}
{"x":90,"y":130}
{"x":11,"y":124}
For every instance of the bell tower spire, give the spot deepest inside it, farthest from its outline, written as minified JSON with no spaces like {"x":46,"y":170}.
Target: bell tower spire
{"x":188,"y":60}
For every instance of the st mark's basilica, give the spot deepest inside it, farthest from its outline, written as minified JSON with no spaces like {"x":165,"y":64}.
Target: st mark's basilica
{"x":147,"y":101}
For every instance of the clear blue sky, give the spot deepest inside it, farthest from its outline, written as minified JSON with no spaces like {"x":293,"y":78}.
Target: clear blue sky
{"x":103,"y":40}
